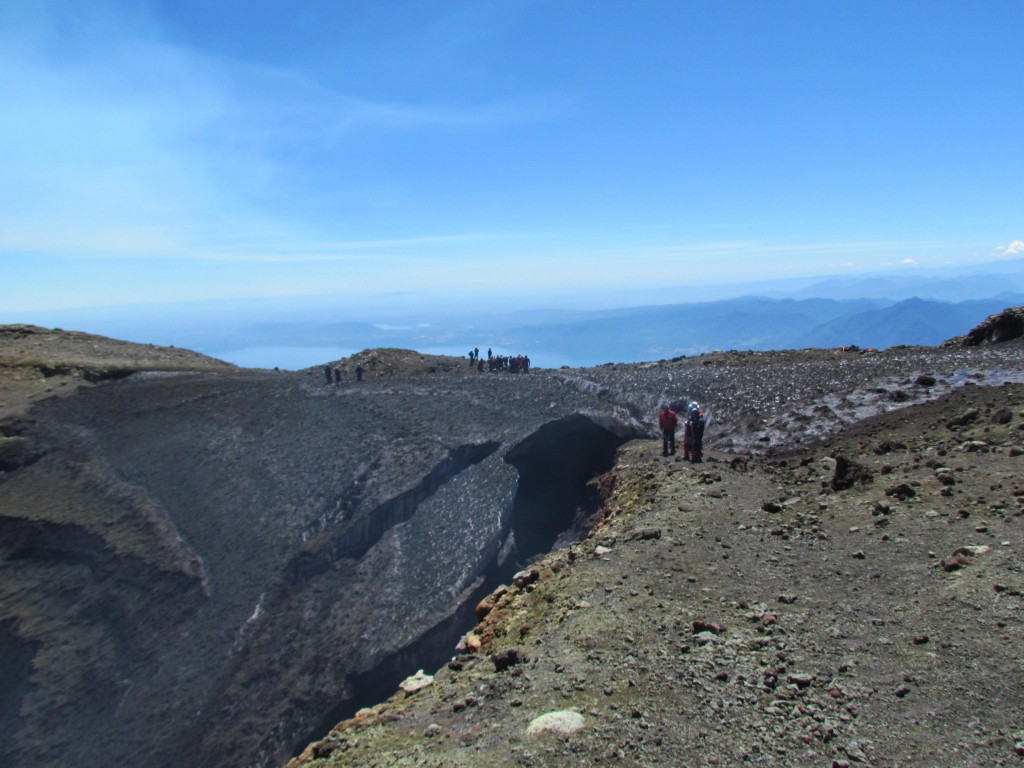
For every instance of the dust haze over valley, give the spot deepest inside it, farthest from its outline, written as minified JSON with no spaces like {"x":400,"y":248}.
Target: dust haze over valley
{"x":209,"y":565}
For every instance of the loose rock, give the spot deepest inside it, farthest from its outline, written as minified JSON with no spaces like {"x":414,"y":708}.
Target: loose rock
{"x":562,"y":722}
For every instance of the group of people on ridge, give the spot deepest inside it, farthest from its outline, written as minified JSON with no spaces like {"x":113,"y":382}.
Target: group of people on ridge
{"x":693,"y":432}
{"x":513,"y":364}
{"x":333,"y":374}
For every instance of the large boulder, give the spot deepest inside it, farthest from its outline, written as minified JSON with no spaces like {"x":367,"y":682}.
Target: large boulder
{"x":1003,"y":326}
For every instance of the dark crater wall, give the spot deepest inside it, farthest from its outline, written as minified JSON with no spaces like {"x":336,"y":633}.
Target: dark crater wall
{"x":359,"y":537}
{"x":16,"y":656}
{"x":550,"y":505}
{"x":224,"y":562}
{"x":554,"y":465}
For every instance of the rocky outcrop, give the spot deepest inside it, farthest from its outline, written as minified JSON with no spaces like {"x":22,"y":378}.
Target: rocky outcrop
{"x":1003,"y":326}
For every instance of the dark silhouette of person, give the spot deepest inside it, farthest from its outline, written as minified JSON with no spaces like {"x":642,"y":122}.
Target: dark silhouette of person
{"x":359,"y":372}
{"x":327,"y":373}
{"x":337,"y":377}
{"x":695,"y":434}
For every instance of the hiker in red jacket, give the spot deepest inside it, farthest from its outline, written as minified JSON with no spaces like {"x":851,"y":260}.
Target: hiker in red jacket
{"x":668,"y":421}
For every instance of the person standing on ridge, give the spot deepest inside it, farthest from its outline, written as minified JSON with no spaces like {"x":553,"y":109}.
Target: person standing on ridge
{"x":688,"y":431}
{"x":668,"y":421}
{"x":694,"y":433}
{"x":327,"y":373}
{"x":359,"y":372}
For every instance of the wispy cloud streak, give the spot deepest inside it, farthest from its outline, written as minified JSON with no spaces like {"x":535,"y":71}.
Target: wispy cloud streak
{"x":126,"y":144}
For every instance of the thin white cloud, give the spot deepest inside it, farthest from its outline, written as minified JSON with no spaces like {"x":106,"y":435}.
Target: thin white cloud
{"x":1016,"y":248}
{"x":341,"y":246}
{"x":350,"y":112}
{"x":76,"y":240}
{"x":124,"y":144}
{"x":447,"y":247}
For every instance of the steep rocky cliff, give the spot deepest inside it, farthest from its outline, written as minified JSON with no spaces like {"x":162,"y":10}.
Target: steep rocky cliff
{"x":212,"y":567}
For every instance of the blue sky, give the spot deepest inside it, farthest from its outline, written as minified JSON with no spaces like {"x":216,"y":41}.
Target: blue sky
{"x":191,"y":149}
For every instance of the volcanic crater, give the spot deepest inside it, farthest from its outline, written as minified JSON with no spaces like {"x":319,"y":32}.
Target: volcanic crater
{"x":213,"y":566}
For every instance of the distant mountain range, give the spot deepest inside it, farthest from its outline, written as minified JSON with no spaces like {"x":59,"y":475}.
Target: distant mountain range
{"x":914,"y":307}
{"x":941,"y":285}
{"x":755,"y":323}
{"x":663,"y":332}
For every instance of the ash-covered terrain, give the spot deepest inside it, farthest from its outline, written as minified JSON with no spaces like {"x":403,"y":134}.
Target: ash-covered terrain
{"x":212,"y":567}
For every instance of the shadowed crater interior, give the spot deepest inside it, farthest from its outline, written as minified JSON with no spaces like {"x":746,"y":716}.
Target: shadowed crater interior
{"x":554,"y":465}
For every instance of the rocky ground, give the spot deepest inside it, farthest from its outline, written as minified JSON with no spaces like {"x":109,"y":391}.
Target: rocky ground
{"x":854,"y":602}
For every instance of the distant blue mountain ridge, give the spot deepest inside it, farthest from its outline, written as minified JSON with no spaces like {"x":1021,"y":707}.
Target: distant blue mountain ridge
{"x":755,"y":323}
{"x":640,"y":334}
{"x":912,"y":307}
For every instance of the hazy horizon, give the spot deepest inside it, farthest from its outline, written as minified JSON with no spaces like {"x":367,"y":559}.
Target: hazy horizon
{"x":293,"y":333}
